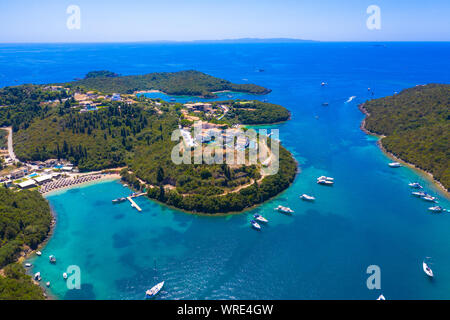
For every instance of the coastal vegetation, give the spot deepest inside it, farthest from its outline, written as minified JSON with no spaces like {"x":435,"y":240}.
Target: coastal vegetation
{"x":25,"y":221}
{"x":135,"y":132}
{"x":415,"y":127}
{"x":190,"y":82}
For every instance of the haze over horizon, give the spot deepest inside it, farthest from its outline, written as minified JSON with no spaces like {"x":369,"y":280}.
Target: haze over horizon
{"x":201,"y":20}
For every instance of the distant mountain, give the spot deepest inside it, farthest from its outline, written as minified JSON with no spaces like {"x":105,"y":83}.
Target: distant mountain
{"x":255,"y":40}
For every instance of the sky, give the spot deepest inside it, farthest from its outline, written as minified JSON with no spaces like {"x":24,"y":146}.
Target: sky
{"x":186,"y":20}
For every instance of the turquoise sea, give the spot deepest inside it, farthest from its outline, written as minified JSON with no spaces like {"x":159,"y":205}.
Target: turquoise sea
{"x":324,"y":249}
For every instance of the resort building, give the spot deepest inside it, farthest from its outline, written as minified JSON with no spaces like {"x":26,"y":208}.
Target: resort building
{"x":43,"y":179}
{"x":19,"y":173}
{"x":27,"y":184}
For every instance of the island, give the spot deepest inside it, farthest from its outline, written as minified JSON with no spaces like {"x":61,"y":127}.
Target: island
{"x":414,"y":127}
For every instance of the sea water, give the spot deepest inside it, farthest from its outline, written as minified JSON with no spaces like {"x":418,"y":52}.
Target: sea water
{"x":323,"y":250}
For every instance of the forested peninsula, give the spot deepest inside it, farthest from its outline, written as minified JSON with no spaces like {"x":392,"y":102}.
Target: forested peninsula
{"x":415,"y":127}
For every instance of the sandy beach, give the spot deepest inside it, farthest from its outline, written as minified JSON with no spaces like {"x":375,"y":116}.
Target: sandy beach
{"x":102,"y":178}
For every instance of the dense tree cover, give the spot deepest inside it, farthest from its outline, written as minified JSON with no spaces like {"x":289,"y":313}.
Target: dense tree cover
{"x":236,"y":201}
{"x":24,"y":219}
{"x":16,"y":285}
{"x":193,"y":83}
{"x":22,"y":104}
{"x":3,"y":138}
{"x":93,"y":140}
{"x":255,"y":112}
{"x":417,"y":127}
{"x":101,"y":73}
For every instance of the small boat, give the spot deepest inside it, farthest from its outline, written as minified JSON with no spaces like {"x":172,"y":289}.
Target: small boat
{"x":427,"y":270}
{"x":325,"y":104}
{"x":64,"y":275}
{"x":307,"y":197}
{"x":154,"y":291}
{"x":173,"y":99}
{"x":428,"y":198}
{"x":381,"y":297}
{"x":255,"y":225}
{"x":436,"y":209}
{"x":48,"y":284}
{"x":282,"y":209}
{"x":38,"y":253}
{"x":395,"y":164}
{"x":27,"y":265}
{"x":419,"y":194}
{"x":37,"y":276}
{"x":260,"y":218}
{"x":119,"y":200}
{"x":52,"y":259}
{"x":415,"y":185}
{"x":325,"y":182}
{"x":323,"y":84}
{"x":325,"y":178}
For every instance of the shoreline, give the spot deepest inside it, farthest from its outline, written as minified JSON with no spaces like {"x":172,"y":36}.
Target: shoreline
{"x":426,"y":174}
{"x":105,"y":177}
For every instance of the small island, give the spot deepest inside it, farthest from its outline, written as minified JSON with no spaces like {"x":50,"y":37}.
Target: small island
{"x":414,"y":127}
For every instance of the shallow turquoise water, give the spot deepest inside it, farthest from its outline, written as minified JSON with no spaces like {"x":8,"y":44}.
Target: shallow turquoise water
{"x":323,"y":250}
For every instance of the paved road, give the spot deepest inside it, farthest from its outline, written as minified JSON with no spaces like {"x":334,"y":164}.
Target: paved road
{"x":10,"y":145}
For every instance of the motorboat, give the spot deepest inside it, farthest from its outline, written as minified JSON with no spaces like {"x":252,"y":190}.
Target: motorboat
{"x":307,"y":197}
{"x":37,"y":276}
{"x":48,"y":284}
{"x":38,"y":253}
{"x":428,"y":198}
{"x":260,"y":218}
{"x":282,"y":209}
{"x":419,"y":194}
{"x":436,"y":209}
{"x":119,"y":200}
{"x":381,"y":297}
{"x":52,"y":259}
{"x":325,"y":182}
{"x":27,"y":265}
{"x":255,"y":225}
{"x":427,"y":270}
{"x":325,"y":178}
{"x":325,"y":104}
{"x":395,"y":164}
{"x":415,"y":185}
{"x":154,"y":290}
{"x":64,"y":275}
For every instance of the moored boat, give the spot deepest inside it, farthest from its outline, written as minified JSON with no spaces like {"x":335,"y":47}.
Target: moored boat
{"x":52,"y":259}
{"x":325,"y":178}
{"x":395,"y":164}
{"x":154,"y":290}
{"x":282,"y":209}
{"x":415,"y":185}
{"x":381,"y":297}
{"x":427,"y":270}
{"x":48,"y":284}
{"x":428,"y":198}
{"x":119,"y":200}
{"x":325,"y":182}
{"x":307,"y":197}
{"x":260,"y":218}
{"x":37,"y":276}
{"x":38,"y":253}
{"x":27,"y":265}
{"x":255,"y":225}
{"x":436,"y":209}
{"x":419,"y":194}
{"x":64,"y":275}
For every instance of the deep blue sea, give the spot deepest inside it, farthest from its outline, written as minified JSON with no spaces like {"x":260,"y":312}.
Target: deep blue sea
{"x":324,"y":249}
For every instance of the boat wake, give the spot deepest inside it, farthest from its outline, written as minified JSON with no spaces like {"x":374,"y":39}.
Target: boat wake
{"x":350,"y":99}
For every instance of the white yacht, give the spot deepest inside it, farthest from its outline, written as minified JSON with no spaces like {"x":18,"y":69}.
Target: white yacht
{"x":307,"y":197}
{"x":52,"y":259}
{"x":427,"y":270}
{"x":64,"y":275}
{"x":255,"y":225}
{"x":282,"y":209}
{"x":37,"y":276}
{"x":154,"y":290}
{"x":428,"y":198}
{"x":38,"y":253}
{"x":260,"y":218}
{"x":415,"y":185}
{"x":381,"y":297}
{"x":436,"y":209}
{"x":395,"y":164}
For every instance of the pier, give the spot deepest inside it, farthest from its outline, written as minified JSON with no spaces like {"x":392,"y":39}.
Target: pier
{"x":134,"y":204}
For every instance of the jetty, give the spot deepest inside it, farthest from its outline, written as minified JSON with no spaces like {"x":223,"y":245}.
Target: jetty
{"x":134,"y":204}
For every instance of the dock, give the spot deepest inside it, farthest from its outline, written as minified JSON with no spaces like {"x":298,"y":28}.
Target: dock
{"x":134,"y":204}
